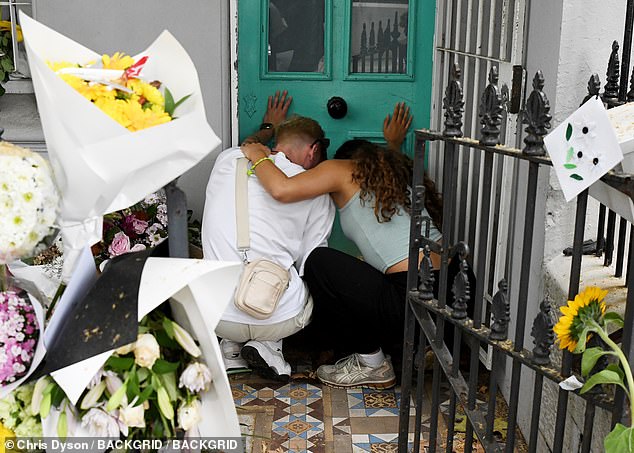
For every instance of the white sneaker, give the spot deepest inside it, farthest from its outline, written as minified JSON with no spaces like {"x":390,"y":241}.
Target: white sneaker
{"x":350,"y":372}
{"x":231,"y":355}
{"x":266,"y":359}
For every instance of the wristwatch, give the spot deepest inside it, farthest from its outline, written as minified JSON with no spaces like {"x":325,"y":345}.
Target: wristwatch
{"x":264,"y":126}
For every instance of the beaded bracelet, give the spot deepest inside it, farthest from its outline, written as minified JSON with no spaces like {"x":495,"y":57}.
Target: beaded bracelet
{"x":251,"y":171}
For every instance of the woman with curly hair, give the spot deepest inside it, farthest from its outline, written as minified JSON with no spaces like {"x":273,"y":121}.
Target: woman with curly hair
{"x":359,"y":305}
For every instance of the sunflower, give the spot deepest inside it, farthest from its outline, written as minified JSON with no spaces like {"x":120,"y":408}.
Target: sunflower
{"x":577,"y":314}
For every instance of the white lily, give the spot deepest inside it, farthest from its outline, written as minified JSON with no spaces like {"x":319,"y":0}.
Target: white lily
{"x":93,"y":395}
{"x":38,"y":394}
{"x":185,"y":340}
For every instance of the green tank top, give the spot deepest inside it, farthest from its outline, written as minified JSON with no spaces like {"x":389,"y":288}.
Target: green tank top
{"x":382,"y":244}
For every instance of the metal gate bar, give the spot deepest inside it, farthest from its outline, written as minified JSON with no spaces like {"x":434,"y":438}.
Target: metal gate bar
{"x":430,"y":315}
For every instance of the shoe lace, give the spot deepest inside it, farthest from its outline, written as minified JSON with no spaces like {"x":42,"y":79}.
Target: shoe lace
{"x":349,"y":363}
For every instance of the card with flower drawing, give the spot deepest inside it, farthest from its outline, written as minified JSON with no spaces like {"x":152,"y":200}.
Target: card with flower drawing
{"x":583,"y":148}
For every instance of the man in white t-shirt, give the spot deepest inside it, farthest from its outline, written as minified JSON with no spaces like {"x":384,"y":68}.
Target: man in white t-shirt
{"x":284,"y":232}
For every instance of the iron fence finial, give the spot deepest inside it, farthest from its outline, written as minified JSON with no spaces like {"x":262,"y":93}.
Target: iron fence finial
{"x":542,"y":333}
{"x":537,"y":117}
{"x":453,"y":103}
{"x":426,"y":275}
{"x":491,"y":110}
{"x":501,"y":311}
{"x":594,"y":87}
{"x":611,"y":91}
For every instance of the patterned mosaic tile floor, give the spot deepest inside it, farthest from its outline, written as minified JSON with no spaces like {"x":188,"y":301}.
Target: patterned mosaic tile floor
{"x":308,"y":417}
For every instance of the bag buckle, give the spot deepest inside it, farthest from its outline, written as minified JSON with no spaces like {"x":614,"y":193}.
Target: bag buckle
{"x":245,"y":259}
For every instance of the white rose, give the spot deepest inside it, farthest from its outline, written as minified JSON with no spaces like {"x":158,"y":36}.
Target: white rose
{"x":146,"y":350}
{"x":132,"y":417}
{"x":195,"y":377}
{"x":100,"y":423}
{"x":125,"y":349}
{"x":189,"y":415}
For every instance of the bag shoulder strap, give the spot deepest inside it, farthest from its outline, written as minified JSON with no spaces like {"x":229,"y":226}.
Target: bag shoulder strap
{"x":242,"y":208}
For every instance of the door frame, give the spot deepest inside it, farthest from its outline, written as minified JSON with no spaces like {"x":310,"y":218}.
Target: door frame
{"x":233,"y":67}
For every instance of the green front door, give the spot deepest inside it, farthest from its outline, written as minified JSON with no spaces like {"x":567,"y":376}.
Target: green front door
{"x":359,"y":57}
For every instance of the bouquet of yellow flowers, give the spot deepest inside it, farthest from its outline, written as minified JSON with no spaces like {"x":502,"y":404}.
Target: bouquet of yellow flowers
{"x":114,"y":85}
{"x":108,"y":124}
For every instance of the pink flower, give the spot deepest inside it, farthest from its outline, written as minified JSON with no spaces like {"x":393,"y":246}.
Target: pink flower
{"x":18,"y":334}
{"x":139,"y":225}
{"x":120,"y":244}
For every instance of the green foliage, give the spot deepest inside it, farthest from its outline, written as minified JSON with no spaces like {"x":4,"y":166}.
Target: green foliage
{"x":163,"y":366}
{"x":6,"y":58}
{"x":590,"y":358}
{"x":607,"y":376}
{"x":621,"y":440}
{"x":583,"y":339}
{"x":119,"y":364}
{"x":170,"y":104}
{"x":613,"y":318}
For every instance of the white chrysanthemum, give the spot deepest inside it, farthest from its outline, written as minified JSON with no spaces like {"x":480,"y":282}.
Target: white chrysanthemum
{"x":28,"y":202}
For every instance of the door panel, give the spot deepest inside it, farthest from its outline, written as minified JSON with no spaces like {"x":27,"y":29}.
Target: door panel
{"x":317,"y":49}
{"x":382,"y":49}
{"x":296,"y":33}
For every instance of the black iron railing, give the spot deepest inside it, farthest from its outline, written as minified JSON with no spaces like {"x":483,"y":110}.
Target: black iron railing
{"x":432,"y":315}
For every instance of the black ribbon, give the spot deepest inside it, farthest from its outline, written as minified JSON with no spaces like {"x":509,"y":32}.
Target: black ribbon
{"x":106,"y":318}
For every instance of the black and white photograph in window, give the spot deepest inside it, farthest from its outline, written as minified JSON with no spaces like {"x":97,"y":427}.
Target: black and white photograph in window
{"x":378,"y":40}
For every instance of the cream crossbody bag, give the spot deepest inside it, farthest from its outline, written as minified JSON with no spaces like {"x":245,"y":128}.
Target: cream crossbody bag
{"x":263,"y":281}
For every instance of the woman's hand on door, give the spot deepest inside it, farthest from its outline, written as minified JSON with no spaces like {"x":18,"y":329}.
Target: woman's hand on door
{"x":395,"y":127}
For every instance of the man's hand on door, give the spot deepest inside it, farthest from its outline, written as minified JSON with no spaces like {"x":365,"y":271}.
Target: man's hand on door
{"x":277,"y":108}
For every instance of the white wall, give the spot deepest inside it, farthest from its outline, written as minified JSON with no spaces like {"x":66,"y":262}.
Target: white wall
{"x":201,"y":26}
{"x":569,"y":40}
{"x":587,"y":31}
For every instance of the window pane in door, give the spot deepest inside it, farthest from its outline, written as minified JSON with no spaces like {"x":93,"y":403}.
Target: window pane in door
{"x":378,"y":37}
{"x":296,"y":36}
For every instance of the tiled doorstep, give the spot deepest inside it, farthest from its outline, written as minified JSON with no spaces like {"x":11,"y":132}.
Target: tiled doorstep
{"x":314,"y":419}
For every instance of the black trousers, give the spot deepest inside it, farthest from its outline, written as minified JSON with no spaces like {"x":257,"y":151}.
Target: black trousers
{"x":358,"y":308}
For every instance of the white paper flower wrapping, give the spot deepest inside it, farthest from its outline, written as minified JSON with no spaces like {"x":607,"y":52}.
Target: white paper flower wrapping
{"x":28,"y":202}
{"x":99,"y":165}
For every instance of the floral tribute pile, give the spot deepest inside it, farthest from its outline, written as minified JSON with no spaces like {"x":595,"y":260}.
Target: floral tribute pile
{"x":114,"y":85}
{"x":148,"y":389}
{"x":133,"y":229}
{"x":28,"y":208}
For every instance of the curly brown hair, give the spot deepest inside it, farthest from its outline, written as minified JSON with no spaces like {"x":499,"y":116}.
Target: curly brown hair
{"x":387,"y":175}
